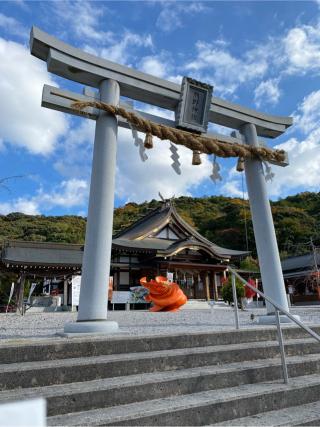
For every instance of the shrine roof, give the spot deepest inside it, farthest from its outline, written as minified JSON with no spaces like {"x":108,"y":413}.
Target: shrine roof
{"x":42,"y":253}
{"x":152,"y":221}
{"x":140,"y":237}
{"x":165,"y":247}
{"x":142,"y":234}
{"x":300,"y":262}
{"x":148,"y":243}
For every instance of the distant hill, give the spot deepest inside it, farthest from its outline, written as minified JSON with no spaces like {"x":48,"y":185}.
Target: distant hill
{"x":220,"y":219}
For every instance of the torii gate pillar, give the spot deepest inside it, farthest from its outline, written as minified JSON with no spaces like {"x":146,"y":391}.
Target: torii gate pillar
{"x":265,"y":237}
{"x":93,"y":306}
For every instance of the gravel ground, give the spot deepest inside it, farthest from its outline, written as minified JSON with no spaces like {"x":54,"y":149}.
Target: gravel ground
{"x":138,"y":323}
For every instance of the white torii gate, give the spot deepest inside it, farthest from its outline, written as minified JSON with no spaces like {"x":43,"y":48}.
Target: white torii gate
{"x":114,"y":80}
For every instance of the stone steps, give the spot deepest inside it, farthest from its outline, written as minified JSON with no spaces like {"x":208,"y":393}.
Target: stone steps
{"x":32,"y":374}
{"x":190,"y":379}
{"x":201,"y":408}
{"x":64,"y":398}
{"x":62,"y":348}
{"x":300,"y":415}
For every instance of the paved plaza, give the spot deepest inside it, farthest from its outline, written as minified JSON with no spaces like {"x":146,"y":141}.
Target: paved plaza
{"x":138,"y":323}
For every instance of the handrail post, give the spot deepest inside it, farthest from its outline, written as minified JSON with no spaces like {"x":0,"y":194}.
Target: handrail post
{"x":235,"y":300}
{"x":282,"y":352}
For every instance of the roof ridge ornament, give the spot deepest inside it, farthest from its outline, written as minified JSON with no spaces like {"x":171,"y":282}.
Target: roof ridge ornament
{"x":167,"y":202}
{"x":161,"y":196}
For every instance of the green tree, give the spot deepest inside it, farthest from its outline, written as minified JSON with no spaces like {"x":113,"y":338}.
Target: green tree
{"x":219,"y":219}
{"x":249,"y":264}
{"x":227,"y":293}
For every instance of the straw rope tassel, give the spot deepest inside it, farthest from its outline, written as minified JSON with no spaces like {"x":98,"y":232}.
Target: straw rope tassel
{"x":240,"y":164}
{"x":148,"y":143}
{"x":196,"y":159}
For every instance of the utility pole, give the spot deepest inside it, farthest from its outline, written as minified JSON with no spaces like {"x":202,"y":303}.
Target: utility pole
{"x":315,"y":261}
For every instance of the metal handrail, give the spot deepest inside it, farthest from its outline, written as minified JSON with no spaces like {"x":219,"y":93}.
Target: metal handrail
{"x":278,"y":309}
{"x":276,"y":305}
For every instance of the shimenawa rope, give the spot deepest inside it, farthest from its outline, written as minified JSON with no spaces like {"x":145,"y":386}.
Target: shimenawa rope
{"x":197,"y":143}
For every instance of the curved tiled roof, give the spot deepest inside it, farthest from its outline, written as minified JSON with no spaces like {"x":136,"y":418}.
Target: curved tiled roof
{"x":138,"y":234}
{"x":301,"y":262}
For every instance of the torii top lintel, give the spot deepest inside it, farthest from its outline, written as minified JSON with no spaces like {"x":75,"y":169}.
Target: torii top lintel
{"x":74,"y":64}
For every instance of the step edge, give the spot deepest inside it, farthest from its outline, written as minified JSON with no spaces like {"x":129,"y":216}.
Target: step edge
{"x":236,"y":396}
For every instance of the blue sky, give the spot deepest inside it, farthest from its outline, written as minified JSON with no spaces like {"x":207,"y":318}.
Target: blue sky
{"x":265,"y":55}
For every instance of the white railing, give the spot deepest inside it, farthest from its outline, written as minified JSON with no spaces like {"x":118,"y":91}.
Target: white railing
{"x":278,"y":310}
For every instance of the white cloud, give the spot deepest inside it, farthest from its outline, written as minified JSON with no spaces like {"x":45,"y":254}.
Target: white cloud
{"x":74,"y":158}
{"x":67,"y":194}
{"x":82,"y":17}
{"x":302,"y":174}
{"x":225,"y":71}
{"x":267,"y":92}
{"x":172,"y":13}
{"x":122,"y":47}
{"x":154,"y":65}
{"x":156,"y":111}
{"x":21,"y":3}
{"x":303,"y":171}
{"x":304,"y":154}
{"x":302,"y":48}
{"x":22,"y":205}
{"x":295,"y":52}
{"x":87,"y":20}
{"x":137,"y":181}
{"x":12,"y":26}
{"x":161,"y":65}
{"x":231,"y":188}
{"x":23,"y":122}
{"x":308,"y":117}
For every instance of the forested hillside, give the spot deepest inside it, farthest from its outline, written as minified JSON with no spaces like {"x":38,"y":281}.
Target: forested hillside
{"x":220,"y":219}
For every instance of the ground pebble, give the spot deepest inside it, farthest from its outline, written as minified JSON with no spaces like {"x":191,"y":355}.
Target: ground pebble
{"x":139,"y":323}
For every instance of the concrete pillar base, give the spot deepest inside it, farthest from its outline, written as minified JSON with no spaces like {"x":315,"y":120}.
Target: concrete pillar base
{"x":91,"y":327}
{"x":270,"y":319}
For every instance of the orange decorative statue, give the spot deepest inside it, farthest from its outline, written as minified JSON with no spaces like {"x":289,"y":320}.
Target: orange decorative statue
{"x":165,"y":296}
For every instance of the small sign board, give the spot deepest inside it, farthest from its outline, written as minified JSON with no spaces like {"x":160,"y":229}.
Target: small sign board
{"x":75,"y":290}
{"x":192,"y":112}
{"x":121,"y":297}
{"x":170,"y":276}
{"x":134,"y":296}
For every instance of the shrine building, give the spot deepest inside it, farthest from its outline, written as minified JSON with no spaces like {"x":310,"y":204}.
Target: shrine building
{"x":162,"y":242}
{"x":159,"y":243}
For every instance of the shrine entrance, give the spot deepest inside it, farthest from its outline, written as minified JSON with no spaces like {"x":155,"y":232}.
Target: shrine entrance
{"x":194,"y":108}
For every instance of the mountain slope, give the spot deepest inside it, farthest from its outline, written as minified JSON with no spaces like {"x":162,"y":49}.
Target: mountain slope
{"x":220,"y":219}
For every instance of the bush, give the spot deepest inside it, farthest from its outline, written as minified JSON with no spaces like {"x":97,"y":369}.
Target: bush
{"x":249,"y":264}
{"x":227,"y":294}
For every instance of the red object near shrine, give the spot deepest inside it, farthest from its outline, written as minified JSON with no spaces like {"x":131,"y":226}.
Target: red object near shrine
{"x":249,"y":292}
{"x":165,"y":296}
